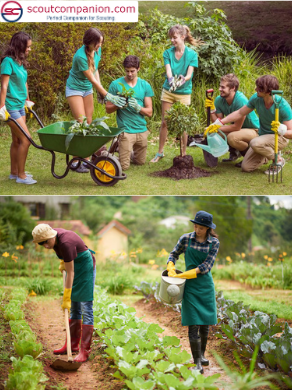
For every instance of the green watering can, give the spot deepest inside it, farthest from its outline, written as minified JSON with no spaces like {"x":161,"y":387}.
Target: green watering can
{"x":217,"y":145}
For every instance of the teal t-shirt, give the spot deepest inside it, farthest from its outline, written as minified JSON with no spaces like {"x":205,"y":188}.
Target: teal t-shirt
{"x":16,"y":91}
{"x":222,"y":107}
{"x":127,"y":118}
{"x":266,"y":116}
{"x":77,"y":80}
{"x":189,"y":58}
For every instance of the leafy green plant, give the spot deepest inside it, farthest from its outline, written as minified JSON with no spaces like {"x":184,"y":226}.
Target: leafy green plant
{"x":127,"y":93}
{"x":39,"y":286}
{"x":181,"y":118}
{"x":83,"y":128}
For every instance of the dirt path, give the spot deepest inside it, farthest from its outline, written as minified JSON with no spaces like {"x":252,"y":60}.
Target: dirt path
{"x":153,"y":312}
{"x":47,"y":321}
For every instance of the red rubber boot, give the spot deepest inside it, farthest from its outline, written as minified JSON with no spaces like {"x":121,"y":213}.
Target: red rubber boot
{"x":75,"y":332}
{"x":85,"y":350}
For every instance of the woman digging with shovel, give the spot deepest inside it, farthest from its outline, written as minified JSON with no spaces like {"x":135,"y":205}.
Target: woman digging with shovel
{"x":79,"y":263}
{"x":199,"y":304}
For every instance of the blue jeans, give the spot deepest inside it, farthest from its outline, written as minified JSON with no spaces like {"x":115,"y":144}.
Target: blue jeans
{"x":85,"y":309}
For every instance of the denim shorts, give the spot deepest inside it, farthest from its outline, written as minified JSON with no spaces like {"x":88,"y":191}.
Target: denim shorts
{"x":73,"y":92}
{"x":16,"y":114}
{"x":83,"y":309}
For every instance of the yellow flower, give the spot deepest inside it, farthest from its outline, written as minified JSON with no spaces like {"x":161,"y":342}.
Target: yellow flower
{"x":151,"y":262}
{"x":6,"y":254}
{"x":266,"y":257}
{"x":139,"y":250}
{"x":133,"y":254}
{"x":269,"y":264}
{"x":237,"y":254}
{"x":124,"y":254}
{"x":284,"y":254}
{"x":243,"y":255}
{"x":155,"y":266}
{"x":14,"y":258}
{"x":270,"y":259}
{"x":113,"y":252}
{"x":280,"y":255}
{"x":32,"y":294}
{"x":228,"y":258}
{"x":19,"y":247}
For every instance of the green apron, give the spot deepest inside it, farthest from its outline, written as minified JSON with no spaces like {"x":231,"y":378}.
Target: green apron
{"x":199,"y":302}
{"x":82,"y":289}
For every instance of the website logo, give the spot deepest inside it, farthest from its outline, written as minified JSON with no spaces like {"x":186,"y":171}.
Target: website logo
{"x":11,"y":11}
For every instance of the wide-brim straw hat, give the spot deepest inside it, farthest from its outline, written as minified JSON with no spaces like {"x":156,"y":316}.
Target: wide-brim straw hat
{"x":43,"y":232}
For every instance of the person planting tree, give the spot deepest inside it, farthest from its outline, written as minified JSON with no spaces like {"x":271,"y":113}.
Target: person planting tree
{"x":14,"y":100}
{"x":79,"y":263}
{"x":241,"y":132}
{"x":133,"y":141}
{"x":262,"y":147}
{"x":82,"y":77}
{"x":179,"y":62}
{"x":199,"y":303}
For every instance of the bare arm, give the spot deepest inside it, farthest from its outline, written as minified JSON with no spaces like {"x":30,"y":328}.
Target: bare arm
{"x":147,"y":110}
{"x":70,"y":274}
{"x":288,"y":134}
{"x":27,"y":93}
{"x":236,"y":115}
{"x":168,"y":71}
{"x":110,"y":107}
{"x":4,"y":85}
{"x":96,"y":84}
{"x":189,"y":73}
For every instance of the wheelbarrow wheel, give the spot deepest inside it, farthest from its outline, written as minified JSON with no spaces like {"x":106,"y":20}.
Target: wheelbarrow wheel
{"x":109,"y":164}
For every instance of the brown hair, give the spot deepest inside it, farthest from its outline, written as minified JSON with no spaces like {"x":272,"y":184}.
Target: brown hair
{"x":212,"y":233}
{"x":267,"y":83}
{"x":131,"y":62}
{"x":184,"y":30}
{"x":17,"y":47}
{"x":92,"y":35}
{"x":231,"y":80}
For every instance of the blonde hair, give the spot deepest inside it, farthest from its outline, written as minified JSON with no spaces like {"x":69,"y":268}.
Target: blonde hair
{"x":185,"y":31}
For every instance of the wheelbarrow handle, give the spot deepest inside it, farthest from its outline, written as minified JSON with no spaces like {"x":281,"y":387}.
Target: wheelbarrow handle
{"x":69,"y":352}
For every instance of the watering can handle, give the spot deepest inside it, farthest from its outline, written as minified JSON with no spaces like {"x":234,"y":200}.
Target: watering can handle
{"x":224,"y":135}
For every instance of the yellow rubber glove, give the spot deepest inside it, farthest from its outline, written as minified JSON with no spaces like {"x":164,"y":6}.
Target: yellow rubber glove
{"x":275,"y":125}
{"x":191,"y":274}
{"x":67,"y":299}
{"x":212,"y":129}
{"x":62,"y":266}
{"x":209,"y":102}
{"x":171,"y":269}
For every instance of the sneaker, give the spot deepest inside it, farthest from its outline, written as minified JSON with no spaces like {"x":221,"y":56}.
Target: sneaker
{"x":276,"y":169}
{"x":27,"y":180}
{"x":14,"y":177}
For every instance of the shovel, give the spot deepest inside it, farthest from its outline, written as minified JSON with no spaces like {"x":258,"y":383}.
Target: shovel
{"x":210,"y":160}
{"x":60,"y":364}
{"x":276,"y":167}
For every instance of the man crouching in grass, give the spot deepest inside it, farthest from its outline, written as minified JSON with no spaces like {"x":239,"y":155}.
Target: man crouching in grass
{"x":133,"y":141}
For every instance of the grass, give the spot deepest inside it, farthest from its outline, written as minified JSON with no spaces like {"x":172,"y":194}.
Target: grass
{"x":227,"y":180}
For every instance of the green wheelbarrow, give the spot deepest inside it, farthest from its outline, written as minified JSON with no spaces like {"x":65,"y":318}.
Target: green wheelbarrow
{"x":105,"y":168}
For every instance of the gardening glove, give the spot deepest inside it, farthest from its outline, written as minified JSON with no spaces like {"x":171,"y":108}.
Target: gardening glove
{"x":191,"y":274}
{"x":100,"y":99}
{"x":212,"y":129}
{"x":116,"y":100}
{"x":209,"y":102}
{"x":4,"y":114}
{"x":278,"y":127}
{"x":181,"y":80}
{"x":29,"y":104}
{"x":134,"y":104}
{"x":170,"y":81}
{"x":66,"y":299}
{"x":171,"y":269}
{"x":176,"y":82}
{"x":62,"y":266}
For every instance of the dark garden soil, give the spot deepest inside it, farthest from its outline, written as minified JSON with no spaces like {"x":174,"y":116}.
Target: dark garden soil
{"x":168,"y":319}
{"x":183,"y":168}
{"x":46,"y":319}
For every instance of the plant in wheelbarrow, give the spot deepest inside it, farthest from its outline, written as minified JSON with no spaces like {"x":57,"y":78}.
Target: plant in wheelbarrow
{"x":182,"y":119}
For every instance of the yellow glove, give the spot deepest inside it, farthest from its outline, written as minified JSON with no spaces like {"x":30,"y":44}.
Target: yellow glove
{"x":62,"y":266}
{"x":275,"y":125}
{"x":191,"y":274}
{"x":67,"y":299}
{"x":171,"y":269}
{"x":209,"y":102}
{"x":212,"y":129}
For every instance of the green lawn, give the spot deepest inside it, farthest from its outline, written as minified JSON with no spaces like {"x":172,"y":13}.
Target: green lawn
{"x":227,"y":180}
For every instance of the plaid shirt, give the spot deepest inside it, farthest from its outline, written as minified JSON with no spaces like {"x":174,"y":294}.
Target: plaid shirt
{"x":182,"y":245}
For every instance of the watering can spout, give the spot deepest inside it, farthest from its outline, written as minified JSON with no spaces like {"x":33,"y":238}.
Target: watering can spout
{"x":205,"y":147}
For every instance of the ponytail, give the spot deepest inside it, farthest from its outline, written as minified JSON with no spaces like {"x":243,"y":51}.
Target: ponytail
{"x":185,"y":31}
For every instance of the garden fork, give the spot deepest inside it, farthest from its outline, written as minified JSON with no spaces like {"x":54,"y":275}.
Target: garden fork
{"x":275,"y":167}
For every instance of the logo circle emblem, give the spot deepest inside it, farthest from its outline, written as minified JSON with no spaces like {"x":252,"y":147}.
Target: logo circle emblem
{"x":11,"y":11}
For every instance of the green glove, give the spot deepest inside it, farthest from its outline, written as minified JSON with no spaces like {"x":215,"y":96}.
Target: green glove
{"x":134,"y":104}
{"x":171,"y":269}
{"x":67,"y":299}
{"x":191,"y":274}
{"x":116,"y":100}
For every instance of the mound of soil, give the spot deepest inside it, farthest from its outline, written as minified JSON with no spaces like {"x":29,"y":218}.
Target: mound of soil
{"x":183,"y":168}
